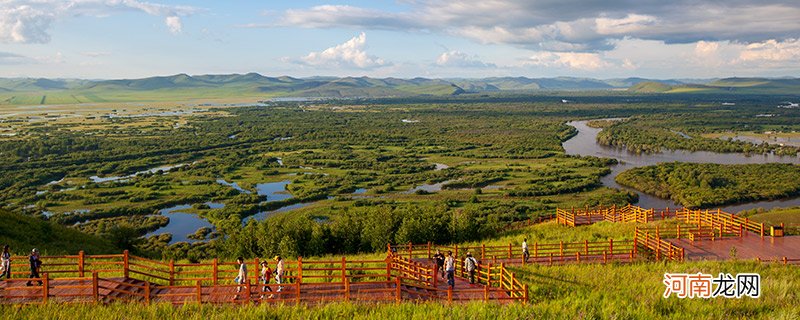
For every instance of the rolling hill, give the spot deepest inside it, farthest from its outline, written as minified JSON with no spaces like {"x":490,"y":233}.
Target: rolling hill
{"x":18,"y":91}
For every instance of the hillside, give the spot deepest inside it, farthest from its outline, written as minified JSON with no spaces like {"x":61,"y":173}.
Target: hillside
{"x":723,"y":86}
{"x":649,"y":87}
{"x":24,"y":233}
{"x":29,"y":91}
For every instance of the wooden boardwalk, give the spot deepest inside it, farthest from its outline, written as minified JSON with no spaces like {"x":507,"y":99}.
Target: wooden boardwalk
{"x":129,"y":278}
{"x":749,"y":246}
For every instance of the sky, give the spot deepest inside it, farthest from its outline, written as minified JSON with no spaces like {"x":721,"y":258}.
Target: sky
{"x":677,"y":39}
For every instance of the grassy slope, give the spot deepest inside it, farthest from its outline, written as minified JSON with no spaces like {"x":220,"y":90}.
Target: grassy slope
{"x":24,"y":233}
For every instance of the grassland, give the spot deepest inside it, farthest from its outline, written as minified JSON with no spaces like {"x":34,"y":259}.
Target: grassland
{"x":586,"y":291}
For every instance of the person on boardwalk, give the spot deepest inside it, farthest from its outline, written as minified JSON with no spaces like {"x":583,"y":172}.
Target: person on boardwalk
{"x":36,"y":263}
{"x":241,"y":278}
{"x":6,"y":263}
{"x":279,"y":272}
{"x":439,"y":259}
{"x":266,"y":273}
{"x":450,"y":267}
{"x":471,"y":265}
{"x":525,"y":253}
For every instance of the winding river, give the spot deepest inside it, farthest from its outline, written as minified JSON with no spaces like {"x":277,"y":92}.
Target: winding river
{"x":585,"y":144}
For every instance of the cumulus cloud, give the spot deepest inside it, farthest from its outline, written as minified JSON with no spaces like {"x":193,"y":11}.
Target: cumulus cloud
{"x":460,"y":59}
{"x":772,"y":51}
{"x":29,"y":21}
{"x":572,"y":60}
{"x":174,"y":24}
{"x":570,"y":25}
{"x":349,"y":54}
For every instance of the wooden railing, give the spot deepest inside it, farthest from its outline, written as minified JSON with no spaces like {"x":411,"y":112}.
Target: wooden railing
{"x":423,"y":280}
{"x":629,"y":213}
{"x":83,"y":278}
{"x":542,"y":253}
{"x":661,"y":249}
{"x":720,"y":219}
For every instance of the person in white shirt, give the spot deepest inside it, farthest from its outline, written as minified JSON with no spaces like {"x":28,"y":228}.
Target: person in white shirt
{"x":279,"y":272}
{"x":450,"y":267}
{"x":5,"y":267}
{"x":525,"y":254}
{"x":241,"y":278}
{"x":471,"y":265}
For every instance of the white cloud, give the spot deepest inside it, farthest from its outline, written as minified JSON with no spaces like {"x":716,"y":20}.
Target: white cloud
{"x":29,"y":21}
{"x":24,"y":24}
{"x":349,"y":54}
{"x":460,"y":59}
{"x":174,"y":24}
{"x":630,"y":24}
{"x":572,"y":60}
{"x":569,"y":25}
{"x":772,"y":51}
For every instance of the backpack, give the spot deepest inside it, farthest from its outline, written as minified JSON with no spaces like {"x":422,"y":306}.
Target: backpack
{"x":471,"y":264}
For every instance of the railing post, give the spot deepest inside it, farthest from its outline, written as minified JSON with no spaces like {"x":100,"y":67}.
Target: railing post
{"x":199,"y":289}
{"x":45,"y":286}
{"x":455,"y":254}
{"x":525,"y":287}
{"x":611,"y":246}
{"x":486,"y":293}
{"x":449,"y":294}
{"x":147,"y":292}
{"x":347,"y":289}
{"x":299,"y":270}
{"x":483,"y":251}
{"x":171,"y":272}
{"x":410,"y":251}
{"x":429,"y":250}
{"x":510,"y":255}
{"x":248,"y":286}
{"x":80,"y":263}
{"x":561,"y":248}
{"x":389,"y":261}
{"x":215,"y":271}
{"x":125,"y":266}
{"x":95,"y":287}
{"x":397,"y":296}
{"x":586,"y":247}
{"x":344,"y":269}
{"x":535,"y":250}
{"x":297,"y":301}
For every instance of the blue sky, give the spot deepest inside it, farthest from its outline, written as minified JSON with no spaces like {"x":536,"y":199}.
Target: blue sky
{"x":406,"y":38}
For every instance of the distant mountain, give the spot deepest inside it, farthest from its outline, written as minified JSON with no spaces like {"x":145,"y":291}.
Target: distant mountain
{"x":184,"y":86}
{"x":726,"y":85}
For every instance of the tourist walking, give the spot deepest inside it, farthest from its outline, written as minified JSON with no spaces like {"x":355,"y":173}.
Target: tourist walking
{"x":279,"y":272}
{"x":36,"y":263}
{"x":241,"y":278}
{"x":5,"y":265}
{"x":471,"y":265}
{"x":525,"y":254}
{"x":439,"y":259}
{"x":450,"y":267}
{"x":266,"y":273}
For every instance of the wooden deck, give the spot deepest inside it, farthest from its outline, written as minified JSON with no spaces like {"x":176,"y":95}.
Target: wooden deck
{"x":110,"y":278}
{"x":751,"y":246}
